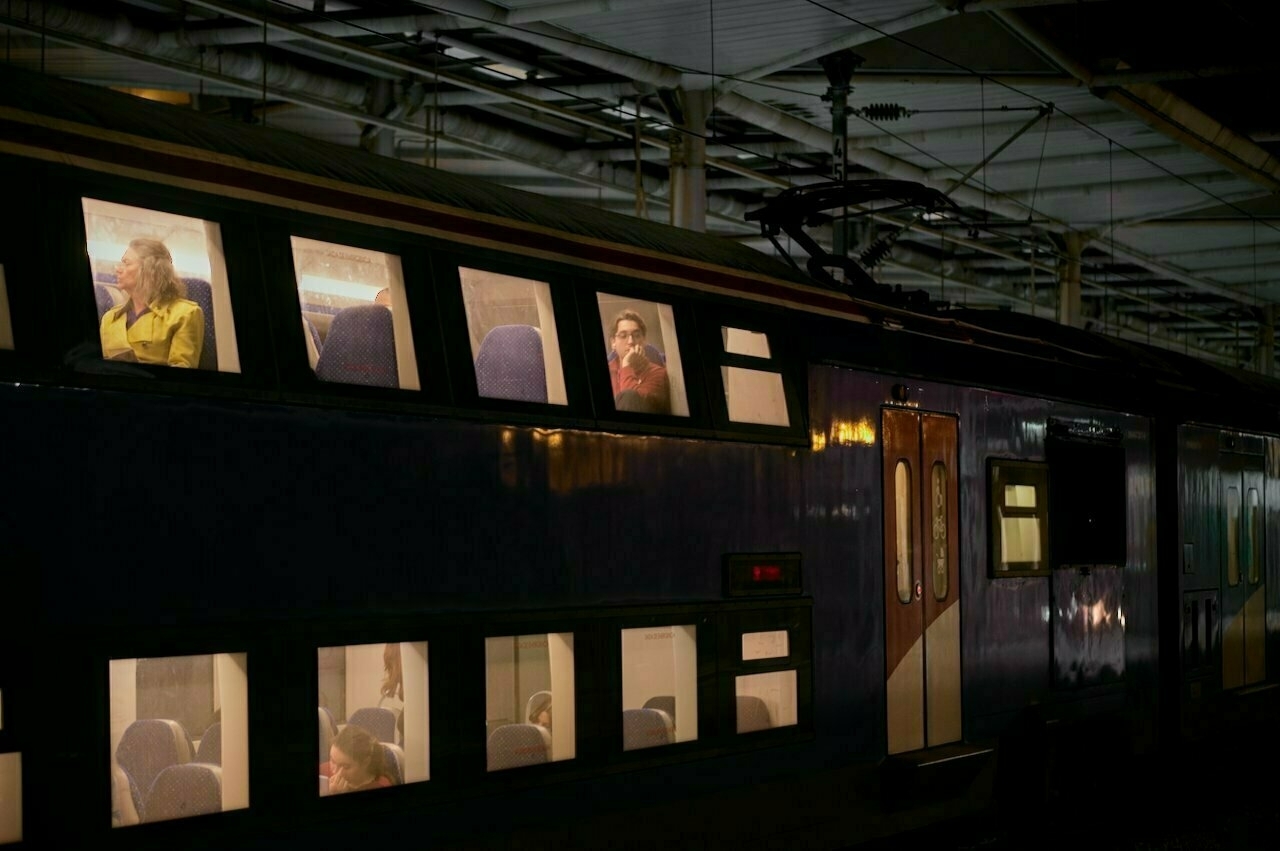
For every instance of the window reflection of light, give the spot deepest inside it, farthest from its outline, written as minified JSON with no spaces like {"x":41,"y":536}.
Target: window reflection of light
{"x":508,"y":438}
{"x":1044,"y":614}
{"x":818,"y":441}
{"x":848,"y":432}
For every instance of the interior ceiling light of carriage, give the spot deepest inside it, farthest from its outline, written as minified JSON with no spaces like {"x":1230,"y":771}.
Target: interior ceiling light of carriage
{"x":1109,"y":179}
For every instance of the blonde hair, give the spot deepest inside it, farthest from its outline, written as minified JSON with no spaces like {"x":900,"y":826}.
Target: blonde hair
{"x":158,"y":281}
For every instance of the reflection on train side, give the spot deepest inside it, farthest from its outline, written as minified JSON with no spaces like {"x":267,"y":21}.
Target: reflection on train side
{"x":160,"y":287}
{"x":522,"y":675}
{"x":159,"y":771}
{"x":766,"y":700}
{"x":10,"y":797}
{"x":373,"y":716}
{"x":6,"y":325}
{"x":355,"y":322}
{"x":514,"y":342}
{"x":643,"y":356}
{"x":659,"y":674}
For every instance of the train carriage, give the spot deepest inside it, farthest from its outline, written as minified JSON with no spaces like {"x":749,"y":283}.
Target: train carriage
{"x":810,"y":553}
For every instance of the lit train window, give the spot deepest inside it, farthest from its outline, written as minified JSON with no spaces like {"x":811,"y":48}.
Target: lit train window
{"x":6,"y":325}
{"x":10,"y":798}
{"x":179,"y":737}
{"x":1019,"y":524}
{"x":903,"y":537}
{"x":1233,"y":536}
{"x":643,"y":356}
{"x":659,"y":686}
{"x":765,"y":701}
{"x":775,"y":644}
{"x":514,"y":343}
{"x":1253,"y":529}
{"x":355,"y":321}
{"x":938,"y":529}
{"x":529,"y":703}
{"x":752,"y":395}
{"x":159,"y":282}
{"x":372,"y":717}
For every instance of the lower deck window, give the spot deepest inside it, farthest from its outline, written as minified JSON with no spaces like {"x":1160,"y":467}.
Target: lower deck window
{"x":372,"y":718}
{"x":659,"y":686}
{"x":765,"y":701}
{"x":10,"y":797}
{"x":179,"y":737}
{"x":529,"y":700}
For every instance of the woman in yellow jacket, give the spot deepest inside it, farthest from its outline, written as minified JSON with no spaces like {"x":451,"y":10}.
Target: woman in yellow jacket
{"x":156,"y":324}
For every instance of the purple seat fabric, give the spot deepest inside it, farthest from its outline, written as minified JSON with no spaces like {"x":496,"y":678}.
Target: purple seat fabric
{"x":210,"y":749}
{"x":645,"y":728}
{"x":185,"y":790}
{"x":149,"y":746}
{"x":199,"y":291}
{"x":510,"y":365}
{"x":665,"y":702}
{"x":102,"y":296}
{"x":517,"y":745}
{"x":378,"y":720}
{"x":360,"y":348}
{"x":753,"y":714}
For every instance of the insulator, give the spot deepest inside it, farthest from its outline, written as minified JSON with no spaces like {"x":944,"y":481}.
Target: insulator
{"x":878,"y":251}
{"x":885,"y":111}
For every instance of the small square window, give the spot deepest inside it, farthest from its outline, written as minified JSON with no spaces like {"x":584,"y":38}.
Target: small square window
{"x":373,"y":717}
{"x":765,"y":701}
{"x":1019,"y":518}
{"x":179,"y":737}
{"x":739,"y":341}
{"x":524,"y":725}
{"x":765,"y":645}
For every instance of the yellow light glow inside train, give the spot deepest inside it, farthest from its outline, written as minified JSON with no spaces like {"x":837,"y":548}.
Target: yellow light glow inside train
{"x":342,"y":289}
{"x":190,"y":264}
{"x":818,"y":441}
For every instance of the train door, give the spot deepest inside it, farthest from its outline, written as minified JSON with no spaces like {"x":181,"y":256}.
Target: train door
{"x":922,"y":587}
{"x":1243,"y":590}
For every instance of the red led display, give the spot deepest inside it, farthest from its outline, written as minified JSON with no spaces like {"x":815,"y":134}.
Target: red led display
{"x":766,"y":573}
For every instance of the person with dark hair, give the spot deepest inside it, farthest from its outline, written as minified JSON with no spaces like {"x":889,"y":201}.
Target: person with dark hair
{"x":357,"y":762}
{"x":639,"y":384}
{"x":157,"y":324}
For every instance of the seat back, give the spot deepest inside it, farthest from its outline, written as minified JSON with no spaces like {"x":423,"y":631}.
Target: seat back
{"x":378,"y":720}
{"x":753,"y":714}
{"x":510,"y":364}
{"x":126,"y":799}
{"x":393,"y":757}
{"x":106,"y":297}
{"x":516,"y":745}
{"x":149,"y":746}
{"x":360,"y":348}
{"x":185,"y":790}
{"x":665,"y":702}
{"x":199,"y":291}
{"x":312,"y":339}
{"x":645,"y":728}
{"x":210,"y":749}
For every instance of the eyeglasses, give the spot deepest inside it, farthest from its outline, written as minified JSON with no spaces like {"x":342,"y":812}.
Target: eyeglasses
{"x":630,"y":335}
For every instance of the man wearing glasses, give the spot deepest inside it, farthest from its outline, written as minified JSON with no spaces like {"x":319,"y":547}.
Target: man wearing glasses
{"x":639,"y":383}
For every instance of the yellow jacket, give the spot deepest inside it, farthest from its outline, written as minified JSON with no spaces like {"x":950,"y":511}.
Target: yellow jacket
{"x":169,"y":334}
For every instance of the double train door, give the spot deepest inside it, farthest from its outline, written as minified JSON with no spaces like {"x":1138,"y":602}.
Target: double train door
{"x":922,"y":579}
{"x":1243,"y":567}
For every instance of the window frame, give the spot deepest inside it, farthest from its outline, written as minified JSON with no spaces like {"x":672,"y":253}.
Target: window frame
{"x":785,"y":360}
{"x":705,"y":684}
{"x":606,"y":413}
{"x":1017,"y":472}
{"x":456,"y":339}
